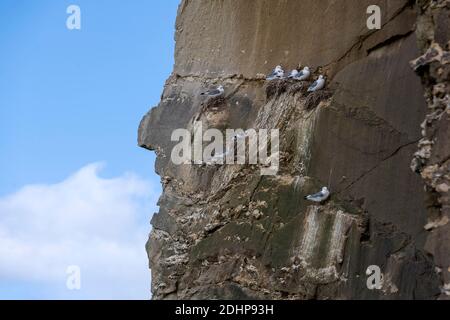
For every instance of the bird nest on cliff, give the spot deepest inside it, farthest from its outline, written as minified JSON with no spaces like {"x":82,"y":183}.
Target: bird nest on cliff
{"x":298,"y":86}
{"x":213,"y":104}
{"x":277,"y":87}
{"x":314,"y":98}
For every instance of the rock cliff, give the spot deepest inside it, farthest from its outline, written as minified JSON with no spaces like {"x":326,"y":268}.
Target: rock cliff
{"x":228,"y":232}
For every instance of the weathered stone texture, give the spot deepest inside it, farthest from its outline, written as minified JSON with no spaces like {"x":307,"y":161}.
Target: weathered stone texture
{"x":228,"y":232}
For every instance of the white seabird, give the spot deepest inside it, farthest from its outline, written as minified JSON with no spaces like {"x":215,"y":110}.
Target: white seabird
{"x":241,"y":135}
{"x":303,"y":75}
{"x":214,"y":92}
{"x":319,"y":196}
{"x":218,"y":157}
{"x":293,"y":74}
{"x":317,"y":85}
{"x":277,"y":73}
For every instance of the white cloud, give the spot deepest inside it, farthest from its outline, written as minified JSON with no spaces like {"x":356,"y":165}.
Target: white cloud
{"x":98,"y":224}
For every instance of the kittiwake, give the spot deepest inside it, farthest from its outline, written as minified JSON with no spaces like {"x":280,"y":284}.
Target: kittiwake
{"x":303,"y":75}
{"x":317,"y":85}
{"x":214,"y":92}
{"x":215,"y":159}
{"x":241,"y":135}
{"x":319,"y":196}
{"x":277,"y":73}
{"x":293,"y":74}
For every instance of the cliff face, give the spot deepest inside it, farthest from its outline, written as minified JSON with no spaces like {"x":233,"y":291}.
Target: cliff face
{"x":225,"y":231}
{"x":432,"y":160}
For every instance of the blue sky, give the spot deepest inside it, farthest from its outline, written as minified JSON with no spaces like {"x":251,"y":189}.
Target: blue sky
{"x":70,"y":105}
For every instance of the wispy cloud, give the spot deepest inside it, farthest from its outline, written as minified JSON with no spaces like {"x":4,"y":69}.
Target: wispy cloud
{"x":98,"y":224}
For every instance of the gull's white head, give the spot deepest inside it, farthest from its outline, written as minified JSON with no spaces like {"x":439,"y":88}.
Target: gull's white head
{"x":278,"y":68}
{"x":325,"y":190}
{"x":306,"y":68}
{"x":220,"y":87}
{"x":321,"y":77}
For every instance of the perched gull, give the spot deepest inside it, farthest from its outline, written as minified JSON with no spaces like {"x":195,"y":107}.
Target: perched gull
{"x":239,"y":136}
{"x":320,"y":196}
{"x":293,"y":74}
{"x":214,"y":92}
{"x":215,"y":159}
{"x":317,"y":85}
{"x":303,"y":75}
{"x":277,"y":73}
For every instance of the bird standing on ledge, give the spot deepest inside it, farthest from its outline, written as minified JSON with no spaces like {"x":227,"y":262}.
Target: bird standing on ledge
{"x":317,"y":85}
{"x":277,"y":73}
{"x":319,"y":196}
{"x":303,"y":75}
{"x":293,"y":74}
{"x":214,"y":92}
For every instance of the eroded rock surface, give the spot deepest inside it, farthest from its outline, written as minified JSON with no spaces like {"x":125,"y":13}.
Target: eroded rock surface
{"x":225,"y":231}
{"x":432,"y":160}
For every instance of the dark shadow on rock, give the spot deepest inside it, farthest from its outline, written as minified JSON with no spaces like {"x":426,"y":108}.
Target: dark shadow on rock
{"x":315,"y":98}
{"x":277,"y":87}
{"x":214,"y":103}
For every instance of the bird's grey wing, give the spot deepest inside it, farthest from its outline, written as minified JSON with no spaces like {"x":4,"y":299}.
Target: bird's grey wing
{"x":214,"y":92}
{"x":273,"y":74}
{"x":317,"y":195}
{"x":314,"y":85}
